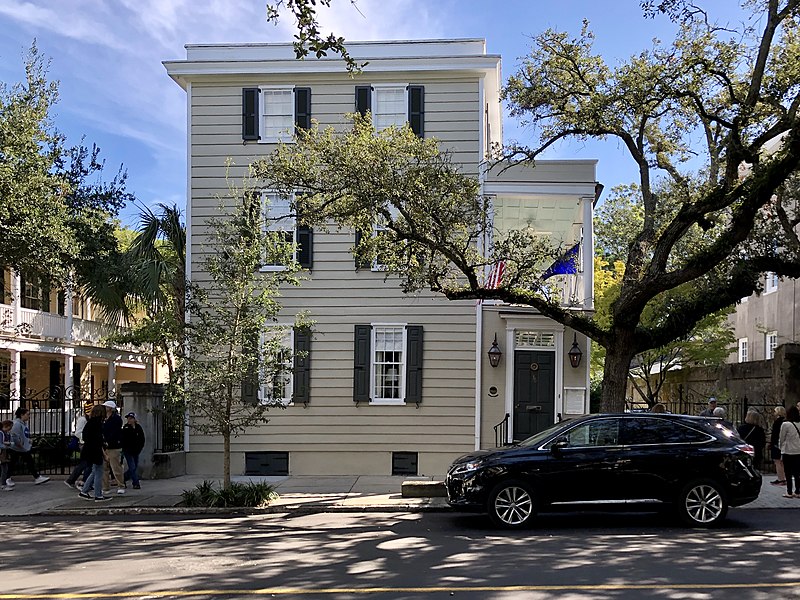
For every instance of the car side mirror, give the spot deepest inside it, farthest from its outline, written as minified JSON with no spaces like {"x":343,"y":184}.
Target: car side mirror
{"x":559,"y":445}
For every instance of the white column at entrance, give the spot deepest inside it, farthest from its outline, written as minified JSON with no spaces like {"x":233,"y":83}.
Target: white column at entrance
{"x":16,"y":297}
{"x":68,"y":311}
{"x":16,"y":378}
{"x":112,"y":377}
{"x":69,"y":381}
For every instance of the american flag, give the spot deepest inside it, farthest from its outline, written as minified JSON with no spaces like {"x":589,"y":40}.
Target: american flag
{"x":496,"y":276}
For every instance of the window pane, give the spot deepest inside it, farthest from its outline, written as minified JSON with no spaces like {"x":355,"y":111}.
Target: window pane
{"x":595,"y":433}
{"x":278,"y":217}
{"x":644,"y":431}
{"x":389,"y":107}
{"x":278,"y":113}
{"x":388,"y":363}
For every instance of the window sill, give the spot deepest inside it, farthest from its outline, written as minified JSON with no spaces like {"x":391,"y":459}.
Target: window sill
{"x":277,"y":141}
{"x":387,"y":402}
{"x":272,"y":269}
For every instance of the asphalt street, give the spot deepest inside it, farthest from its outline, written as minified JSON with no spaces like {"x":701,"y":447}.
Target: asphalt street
{"x":399,"y":555}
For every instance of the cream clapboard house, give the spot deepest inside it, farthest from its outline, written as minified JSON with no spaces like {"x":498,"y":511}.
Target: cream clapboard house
{"x":392,"y":383}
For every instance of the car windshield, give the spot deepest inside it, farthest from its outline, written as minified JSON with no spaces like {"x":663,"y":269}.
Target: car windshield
{"x":537,"y":438}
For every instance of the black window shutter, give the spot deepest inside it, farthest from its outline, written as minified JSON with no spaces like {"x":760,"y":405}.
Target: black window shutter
{"x":416,"y":109}
{"x":302,"y":108}
{"x":363,"y":99}
{"x":361,"y":263}
{"x":362,"y":363}
{"x":301,"y":381}
{"x":250,"y":380}
{"x":414,"y":364}
{"x":250,"y":113}
{"x":305,"y":242}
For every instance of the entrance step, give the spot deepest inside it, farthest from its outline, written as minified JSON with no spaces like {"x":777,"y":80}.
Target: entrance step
{"x":423,"y":489}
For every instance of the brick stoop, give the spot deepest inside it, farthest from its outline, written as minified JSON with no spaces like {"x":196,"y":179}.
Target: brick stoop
{"x":423,"y":489}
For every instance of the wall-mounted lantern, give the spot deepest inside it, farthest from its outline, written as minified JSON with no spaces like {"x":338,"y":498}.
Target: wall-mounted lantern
{"x":575,"y":353}
{"x":494,"y":353}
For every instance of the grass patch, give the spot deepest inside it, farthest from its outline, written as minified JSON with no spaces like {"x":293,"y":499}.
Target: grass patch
{"x":238,"y":495}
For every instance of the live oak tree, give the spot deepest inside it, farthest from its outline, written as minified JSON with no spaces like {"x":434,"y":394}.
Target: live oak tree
{"x":235,"y":345}
{"x":710,"y":122}
{"x":56,"y":211}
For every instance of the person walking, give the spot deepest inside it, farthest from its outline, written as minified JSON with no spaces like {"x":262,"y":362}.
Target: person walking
{"x":752,"y":432}
{"x":21,"y":446}
{"x":709,"y":410}
{"x":93,"y":454}
{"x":132,"y":444}
{"x":82,"y":468}
{"x":774,"y":449}
{"x":112,"y":435}
{"x":789,"y":442}
{"x":5,"y":453}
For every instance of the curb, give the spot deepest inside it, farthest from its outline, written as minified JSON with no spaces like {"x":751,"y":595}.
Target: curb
{"x":294,"y":509}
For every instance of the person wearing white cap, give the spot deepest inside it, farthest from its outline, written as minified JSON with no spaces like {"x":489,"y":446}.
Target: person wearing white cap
{"x":112,"y":434}
{"x":709,"y":411}
{"x":132,"y":444}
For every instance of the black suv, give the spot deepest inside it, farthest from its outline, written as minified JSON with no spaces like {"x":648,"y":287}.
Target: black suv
{"x":696,"y":464}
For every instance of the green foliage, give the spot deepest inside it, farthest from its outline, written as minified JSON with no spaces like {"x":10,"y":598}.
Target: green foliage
{"x":55,"y":209}
{"x":308,"y":37}
{"x":237,"y":495}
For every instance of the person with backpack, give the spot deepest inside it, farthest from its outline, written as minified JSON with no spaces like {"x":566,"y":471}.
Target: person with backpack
{"x":789,"y":442}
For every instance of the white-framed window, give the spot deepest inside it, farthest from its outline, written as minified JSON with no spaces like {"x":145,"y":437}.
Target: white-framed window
{"x":534,"y":339}
{"x":277,"y":114}
{"x":771,"y":283}
{"x":770,"y":343}
{"x":388,"y":368}
{"x":377,"y":229}
{"x":389,"y":105}
{"x":742,"y":350}
{"x":280,"y":385}
{"x":278,"y":217}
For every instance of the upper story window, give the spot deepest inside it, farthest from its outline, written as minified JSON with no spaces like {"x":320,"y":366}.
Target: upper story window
{"x":270,"y":114}
{"x":771,"y":283}
{"x":279,"y":218}
{"x":742,"y":350}
{"x":393,"y":104}
{"x":770,"y":343}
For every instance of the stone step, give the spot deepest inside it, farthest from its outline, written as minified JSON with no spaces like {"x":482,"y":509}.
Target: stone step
{"x":423,"y":489}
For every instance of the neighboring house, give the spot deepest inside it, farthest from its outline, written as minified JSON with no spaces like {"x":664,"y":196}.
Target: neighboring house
{"x":392,"y":383}
{"x":762,"y":323}
{"x":52,"y":348}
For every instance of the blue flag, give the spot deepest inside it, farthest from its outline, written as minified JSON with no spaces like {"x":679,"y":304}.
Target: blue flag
{"x":567,"y":264}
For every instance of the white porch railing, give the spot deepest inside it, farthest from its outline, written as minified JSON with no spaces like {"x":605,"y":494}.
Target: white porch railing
{"x":42,"y":324}
{"x":6,"y":317}
{"x":90,"y":331}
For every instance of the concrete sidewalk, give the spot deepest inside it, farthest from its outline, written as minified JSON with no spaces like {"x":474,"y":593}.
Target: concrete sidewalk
{"x":356,"y":493}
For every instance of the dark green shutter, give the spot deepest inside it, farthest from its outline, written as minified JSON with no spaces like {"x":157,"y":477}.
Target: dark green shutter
{"x":416,"y":109}
{"x":361,"y":356}
{"x":414,"y":364}
{"x":305,"y":250}
{"x":250,"y":383}
{"x":250,"y":113}
{"x":301,"y":381}
{"x":363,"y":99}
{"x":302,"y":108}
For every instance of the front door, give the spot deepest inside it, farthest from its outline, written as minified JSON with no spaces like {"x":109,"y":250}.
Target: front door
{"x":534,"y":392}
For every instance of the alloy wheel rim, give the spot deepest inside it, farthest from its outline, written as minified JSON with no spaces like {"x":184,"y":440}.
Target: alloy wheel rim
{"x":513,"y":505}
{"x":704,"y":503}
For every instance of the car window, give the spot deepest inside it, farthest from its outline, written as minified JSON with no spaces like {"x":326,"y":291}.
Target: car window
{"x":602,"y":432}
{"x":644,"y":431}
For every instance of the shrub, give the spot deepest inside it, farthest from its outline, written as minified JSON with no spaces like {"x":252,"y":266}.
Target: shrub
{"x":250,"y":495}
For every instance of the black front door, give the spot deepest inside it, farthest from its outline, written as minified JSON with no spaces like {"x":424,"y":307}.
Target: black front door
{"x":534,"y":392}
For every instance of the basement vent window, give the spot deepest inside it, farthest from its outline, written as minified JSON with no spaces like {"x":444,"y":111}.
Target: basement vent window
{"x":404,"y":463}
{"x":266,"y":463}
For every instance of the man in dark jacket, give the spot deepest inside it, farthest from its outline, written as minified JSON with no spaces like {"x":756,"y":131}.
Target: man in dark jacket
{"x":132,"y":444}
{"x":112,"y":434}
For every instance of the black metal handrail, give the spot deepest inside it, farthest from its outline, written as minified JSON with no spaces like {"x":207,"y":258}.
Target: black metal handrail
{"x":501,"y":432}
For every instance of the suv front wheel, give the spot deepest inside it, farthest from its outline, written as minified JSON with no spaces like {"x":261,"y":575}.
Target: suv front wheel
{"x":512,"y":504}
{"x":702,"y":503}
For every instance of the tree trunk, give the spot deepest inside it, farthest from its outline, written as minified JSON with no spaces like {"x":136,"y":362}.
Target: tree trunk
{"x":226,"y":460}
{"x":615,"y":375}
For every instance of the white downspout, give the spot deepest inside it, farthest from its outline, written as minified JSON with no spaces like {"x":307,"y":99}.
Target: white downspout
{"x":188,"y":214}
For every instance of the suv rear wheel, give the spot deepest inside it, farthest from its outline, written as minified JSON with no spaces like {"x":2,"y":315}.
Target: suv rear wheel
{"x":512,"y":504}
{"x":702,"y":503}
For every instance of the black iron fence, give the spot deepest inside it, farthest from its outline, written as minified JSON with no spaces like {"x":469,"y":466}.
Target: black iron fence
{"x":169,"y":429}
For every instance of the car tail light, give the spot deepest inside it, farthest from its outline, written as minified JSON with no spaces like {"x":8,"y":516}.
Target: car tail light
{"x":747,"y":448}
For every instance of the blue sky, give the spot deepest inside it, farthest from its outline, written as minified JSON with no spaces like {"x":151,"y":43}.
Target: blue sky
{"x":114,"y":90}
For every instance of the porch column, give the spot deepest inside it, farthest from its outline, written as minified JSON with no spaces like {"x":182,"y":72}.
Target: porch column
{"x":16,"y":376}
{"x":112,"y":377}
{"x":68,"y":311}
{"x":69,"y":380}
{"x":588,"y":254}
{"x":16,"y":297}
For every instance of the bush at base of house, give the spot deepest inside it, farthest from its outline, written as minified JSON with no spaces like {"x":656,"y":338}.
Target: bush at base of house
{"x":249,"y":495}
